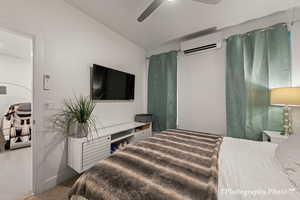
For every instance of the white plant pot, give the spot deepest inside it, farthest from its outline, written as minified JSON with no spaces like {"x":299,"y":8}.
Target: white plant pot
{"x":80,"y":130}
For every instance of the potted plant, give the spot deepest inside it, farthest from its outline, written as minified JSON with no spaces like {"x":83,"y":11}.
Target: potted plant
{"x":76,"y":117}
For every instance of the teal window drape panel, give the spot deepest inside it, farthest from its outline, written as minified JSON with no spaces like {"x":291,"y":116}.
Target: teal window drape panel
{"x":279,"y":47}
{"x":235,"y":88}
{"x":256,"y":62}
{"x":162,"y":90}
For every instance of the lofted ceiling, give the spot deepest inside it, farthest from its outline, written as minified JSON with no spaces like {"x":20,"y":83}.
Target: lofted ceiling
{"x":14,"y":45}
{"x":175,"y":19}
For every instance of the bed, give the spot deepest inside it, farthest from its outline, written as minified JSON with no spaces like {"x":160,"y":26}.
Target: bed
{"x":179,"y":165}
{"x":250,"y":170}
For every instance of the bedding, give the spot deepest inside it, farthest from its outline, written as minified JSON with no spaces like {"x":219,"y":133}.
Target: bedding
{"x":288,"y":154}
{"x":246,"y":169}
{"x":172,"y":165}
{"x":250,"y":170}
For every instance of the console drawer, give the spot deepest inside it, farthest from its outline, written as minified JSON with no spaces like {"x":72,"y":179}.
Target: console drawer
{"x":90,"y":160}
{"x":94,"y":151}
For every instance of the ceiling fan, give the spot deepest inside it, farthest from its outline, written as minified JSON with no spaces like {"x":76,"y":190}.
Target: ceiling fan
{"x":156,"y":3}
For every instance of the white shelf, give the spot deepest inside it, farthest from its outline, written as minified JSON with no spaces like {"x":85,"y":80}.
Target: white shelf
{"x":121,"y":138}
{"x":110,"y":130}
{"x":83,"y":153}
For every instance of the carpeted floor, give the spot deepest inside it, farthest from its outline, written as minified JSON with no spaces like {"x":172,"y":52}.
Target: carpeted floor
{"x":60,"y":192}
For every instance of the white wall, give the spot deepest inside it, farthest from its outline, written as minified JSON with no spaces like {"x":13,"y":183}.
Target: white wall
{"x":201,"y":92}
{"x":67,"y":43}
{"x":201,"y":77}
{"x":201,"y":89}
{"x":18,"y":72}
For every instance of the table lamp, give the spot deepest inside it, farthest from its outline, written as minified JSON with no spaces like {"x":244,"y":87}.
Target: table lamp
{"x":286,"y":97}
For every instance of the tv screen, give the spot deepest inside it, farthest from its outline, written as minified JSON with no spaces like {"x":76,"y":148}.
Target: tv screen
{"x":109,"y":84}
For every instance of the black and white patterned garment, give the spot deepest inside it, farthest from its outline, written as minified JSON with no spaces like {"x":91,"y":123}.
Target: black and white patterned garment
{"x":19,"y":116}
{"x":2,"y":141}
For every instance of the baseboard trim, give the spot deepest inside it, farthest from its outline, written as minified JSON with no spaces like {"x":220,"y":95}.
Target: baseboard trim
{"x":53,"y":181}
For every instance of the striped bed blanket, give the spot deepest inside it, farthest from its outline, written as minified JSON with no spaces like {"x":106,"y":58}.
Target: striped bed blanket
{"x":171,"y":165}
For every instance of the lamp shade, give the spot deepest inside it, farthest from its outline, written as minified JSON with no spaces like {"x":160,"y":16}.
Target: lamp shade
{"x":285,"y":96}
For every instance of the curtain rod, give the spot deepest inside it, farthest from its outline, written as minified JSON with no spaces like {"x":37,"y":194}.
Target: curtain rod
{"x":178,"y":50}
{"x":259,"y":29}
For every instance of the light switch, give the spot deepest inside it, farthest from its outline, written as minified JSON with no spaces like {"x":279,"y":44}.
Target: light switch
{"x":46,"y":82}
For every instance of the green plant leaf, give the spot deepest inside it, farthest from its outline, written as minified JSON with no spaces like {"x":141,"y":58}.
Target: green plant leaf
{"x":77,"y":110}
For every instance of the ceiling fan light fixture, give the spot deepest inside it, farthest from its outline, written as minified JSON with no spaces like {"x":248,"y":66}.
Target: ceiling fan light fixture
{"x":156,"y":3}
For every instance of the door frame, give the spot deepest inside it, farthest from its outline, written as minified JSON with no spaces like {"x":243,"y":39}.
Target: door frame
{"x":36,"y":58}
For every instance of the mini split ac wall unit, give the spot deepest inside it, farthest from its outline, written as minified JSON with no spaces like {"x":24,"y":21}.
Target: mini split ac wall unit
{"x":202,"y":44}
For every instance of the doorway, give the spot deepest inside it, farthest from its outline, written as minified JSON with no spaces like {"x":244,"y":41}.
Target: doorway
{"x":16,"y":99}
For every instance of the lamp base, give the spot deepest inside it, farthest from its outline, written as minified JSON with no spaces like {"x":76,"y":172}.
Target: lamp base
{"x":287,"y":122}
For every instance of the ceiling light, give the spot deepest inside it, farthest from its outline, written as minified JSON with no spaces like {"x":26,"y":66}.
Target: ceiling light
{"x":170,"y":0}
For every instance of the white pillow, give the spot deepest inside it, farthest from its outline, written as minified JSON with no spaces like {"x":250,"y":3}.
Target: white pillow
{"x":288,"y":154}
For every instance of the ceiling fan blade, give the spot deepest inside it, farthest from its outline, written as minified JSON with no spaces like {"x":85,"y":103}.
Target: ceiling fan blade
{"x":151,"y":8}
{"x":208,"y":1}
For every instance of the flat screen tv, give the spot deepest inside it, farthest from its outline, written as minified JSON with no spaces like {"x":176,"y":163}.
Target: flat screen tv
{"x":110,"y":84}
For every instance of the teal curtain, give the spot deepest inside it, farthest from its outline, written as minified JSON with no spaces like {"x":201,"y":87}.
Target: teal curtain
{"x":279,"y":59}
{"x":256,"y":62}
{"x":162,"y":90}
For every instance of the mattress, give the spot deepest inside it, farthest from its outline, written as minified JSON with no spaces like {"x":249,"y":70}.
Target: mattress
{"x":249,"y":170}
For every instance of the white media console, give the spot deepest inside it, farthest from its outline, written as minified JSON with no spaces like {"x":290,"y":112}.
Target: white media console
{"x":83,"y":153}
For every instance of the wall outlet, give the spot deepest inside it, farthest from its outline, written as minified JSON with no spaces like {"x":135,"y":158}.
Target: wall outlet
{"x":50,"y":106}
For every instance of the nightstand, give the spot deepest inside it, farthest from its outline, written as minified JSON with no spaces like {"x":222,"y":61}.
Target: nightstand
{"x":273,"y":137}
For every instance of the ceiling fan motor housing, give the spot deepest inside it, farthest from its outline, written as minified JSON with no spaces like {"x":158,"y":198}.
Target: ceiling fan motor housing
{"x":156,"y":3}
